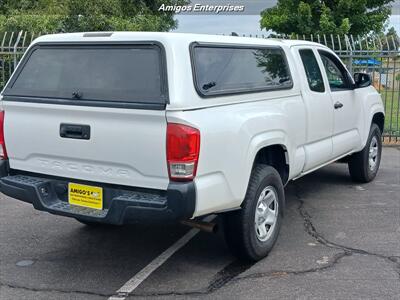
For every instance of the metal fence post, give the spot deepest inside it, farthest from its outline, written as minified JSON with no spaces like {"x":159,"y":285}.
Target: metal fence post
{"x":15,"y":48}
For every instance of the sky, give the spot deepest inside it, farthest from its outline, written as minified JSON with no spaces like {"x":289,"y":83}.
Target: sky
{"x":246,"y":22}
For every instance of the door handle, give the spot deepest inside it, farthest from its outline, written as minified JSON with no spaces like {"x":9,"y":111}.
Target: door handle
{"x":338,"y":105}
{"x":75,"y":131}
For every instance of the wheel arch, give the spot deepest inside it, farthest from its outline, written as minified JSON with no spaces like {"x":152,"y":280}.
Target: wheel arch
{"x":378,"y":118}
{"x":374,"y":115}
{"x":276,"y":156}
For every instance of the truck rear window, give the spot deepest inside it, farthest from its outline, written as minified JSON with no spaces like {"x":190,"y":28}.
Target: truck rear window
{"x":221,"y":70}
{"x":101,"y":73}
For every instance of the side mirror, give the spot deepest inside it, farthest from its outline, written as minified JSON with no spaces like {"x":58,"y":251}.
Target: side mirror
{"x":362,"y":80}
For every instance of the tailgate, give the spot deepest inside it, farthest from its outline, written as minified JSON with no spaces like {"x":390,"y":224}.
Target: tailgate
{"x":89,"y":112}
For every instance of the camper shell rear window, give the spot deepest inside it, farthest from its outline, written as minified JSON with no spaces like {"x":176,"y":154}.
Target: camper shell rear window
{"x":89,"y":74}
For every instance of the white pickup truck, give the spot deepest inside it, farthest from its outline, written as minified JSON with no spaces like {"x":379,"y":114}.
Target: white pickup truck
{"x":136,"y":127}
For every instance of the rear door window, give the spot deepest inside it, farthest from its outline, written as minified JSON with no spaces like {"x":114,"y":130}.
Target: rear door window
{"x":92,"y":73}
{"x":220,"y":70}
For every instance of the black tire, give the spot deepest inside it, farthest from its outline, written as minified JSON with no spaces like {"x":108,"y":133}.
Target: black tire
{"x":359,"y":165}
{"x":239,"y":226}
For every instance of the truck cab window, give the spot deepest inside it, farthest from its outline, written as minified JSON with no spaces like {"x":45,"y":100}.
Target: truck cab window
{"x":336,"y":73}
{"x":313,"y":73}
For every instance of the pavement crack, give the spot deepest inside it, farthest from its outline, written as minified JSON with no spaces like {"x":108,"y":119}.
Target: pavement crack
{"x":312,"y":231}
{"x":282,"y":273}
{"x":222,"y":278}
{"x":51,"y":290}
{"x":231,"y":273}
{"x":226,"y":277}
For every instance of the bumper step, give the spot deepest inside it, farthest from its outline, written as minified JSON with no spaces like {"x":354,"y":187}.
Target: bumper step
{"x":121,"y":204}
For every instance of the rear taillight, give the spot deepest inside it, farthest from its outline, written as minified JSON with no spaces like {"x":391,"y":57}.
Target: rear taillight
{"x":3,"y":152}
{"x":183,"y":147}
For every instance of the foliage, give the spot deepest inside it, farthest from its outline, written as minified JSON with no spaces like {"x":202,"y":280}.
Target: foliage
{"x":329,"y":16}
{"x":88,"y":15}
{"x":272,"y":64}
{"x":392,"y":38}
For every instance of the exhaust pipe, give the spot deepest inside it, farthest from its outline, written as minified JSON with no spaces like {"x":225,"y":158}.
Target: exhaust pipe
{"x":203,"y":226}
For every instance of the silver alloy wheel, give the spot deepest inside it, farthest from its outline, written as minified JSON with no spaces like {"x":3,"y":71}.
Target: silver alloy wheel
{"x":266,"y":214}
{"x":373,"y":153}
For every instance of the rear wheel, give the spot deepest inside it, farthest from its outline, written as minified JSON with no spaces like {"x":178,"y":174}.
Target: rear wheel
{"x":364,"y":165}
{"x":252,"y":231}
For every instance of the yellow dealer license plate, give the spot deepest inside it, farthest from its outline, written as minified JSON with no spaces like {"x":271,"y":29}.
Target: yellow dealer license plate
{"x":85,"y":195}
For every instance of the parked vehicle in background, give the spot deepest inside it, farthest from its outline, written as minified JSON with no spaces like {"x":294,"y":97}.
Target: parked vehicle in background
{"x":148,"y":127}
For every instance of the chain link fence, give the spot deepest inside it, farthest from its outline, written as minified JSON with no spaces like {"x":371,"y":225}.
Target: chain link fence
{"x":377,"y":55}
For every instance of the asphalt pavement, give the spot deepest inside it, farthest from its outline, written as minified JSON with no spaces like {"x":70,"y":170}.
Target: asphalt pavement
{"x":339,"y":240}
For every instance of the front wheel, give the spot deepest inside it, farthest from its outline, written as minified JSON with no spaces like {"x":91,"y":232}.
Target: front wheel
{"x":364,"y":165}
{"x":252,"y":231}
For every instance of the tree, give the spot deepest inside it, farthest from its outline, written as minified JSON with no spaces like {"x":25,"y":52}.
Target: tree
{"x":31,"y":15}
{"x":393,"y":39}
{"x":326,"y":16}
{"x":88,"y":15}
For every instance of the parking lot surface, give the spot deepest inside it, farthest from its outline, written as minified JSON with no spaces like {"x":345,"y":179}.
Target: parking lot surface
{"x":339,"y":240}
